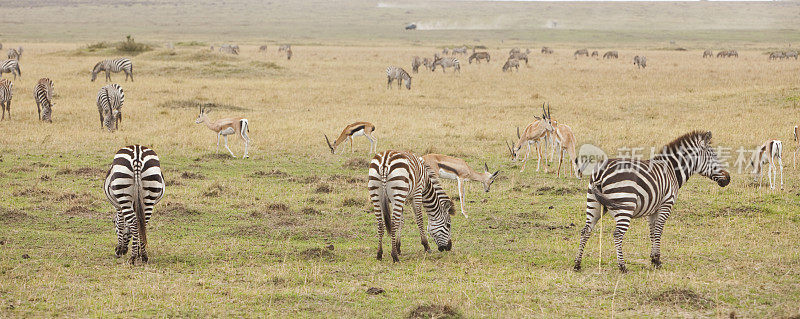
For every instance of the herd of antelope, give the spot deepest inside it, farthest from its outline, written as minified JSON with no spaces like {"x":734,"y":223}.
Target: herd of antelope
{"x":395,"y":176}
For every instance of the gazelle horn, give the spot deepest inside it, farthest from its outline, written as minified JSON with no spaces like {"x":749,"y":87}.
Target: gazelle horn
{"x":329,"y":143}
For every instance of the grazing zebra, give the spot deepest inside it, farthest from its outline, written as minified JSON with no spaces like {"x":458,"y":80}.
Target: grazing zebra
{"x":631,"y":188}
{"x":262,"y":48}
{"x":791,"y":54}
{"x":396,"y":73}
{"x":461,"y":50}
{"x":708,"y":54}
{"x":514,"y":50}
{"x":14,"y":54}
{"x":446,"y":63}
{"x":289,"y":54}
{"x":415,"y":63}
{"x":511,"y":63}
{"x":777,"y":55}
{"x":394,"y":177}
{"x":5,"y":97}
{"x":611,"y":55}
{"x":581,"y":52}
{"x":640,"y":61}
{"x":109,"y":104}
{"x":10,"y":66}
{"x":722,"y":54}
{"x":547,"y":50}
{"x":43,"y":95}
{"x":445,"y":51}
{"x":478,"y":56}
{"x":284,"y":47}
{"x":230,"y":49}
{"x":134,"y":185}
{"x":519,"y":56}
{"x":770,"y":152}
{"x":595,"y":53}
{"x":733,"y":53}
{"x":113,"y":65}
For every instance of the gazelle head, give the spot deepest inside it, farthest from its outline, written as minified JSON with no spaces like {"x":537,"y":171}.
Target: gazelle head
{"x":332,"y":147}
{"x":546,"y":120}
{"x":202,"y":117}
{"x":487,"y":183}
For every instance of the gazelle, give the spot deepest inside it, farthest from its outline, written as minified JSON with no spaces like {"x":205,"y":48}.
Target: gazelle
{"x":356,"y":129}
{"x":225,"y":127}
{"x":564,"y":141}
{"x":770,"y":153}
{"x":533,"y":134}
{"x":796,"y":132}
{"x":449,"y":167}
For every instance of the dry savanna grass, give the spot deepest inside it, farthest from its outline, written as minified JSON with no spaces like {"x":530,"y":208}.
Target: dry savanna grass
{"x":289,"y":231}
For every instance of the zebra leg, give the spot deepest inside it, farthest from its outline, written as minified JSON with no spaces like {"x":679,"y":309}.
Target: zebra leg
{"x":593,"y":214}
{"x":657,"y":222}
{"x":8,"y":104}
{"x":420,"y":223}
{"x":397,"y":225}
{"x":131,"y":74}
{"x":376,"y":188}
{"x":122,"y":236}
{"x":130,"y":221}
{"x":226,"y":146}
{"x":388,"y":82}
{"x":38,"y":109}
{"x":623,"y":221}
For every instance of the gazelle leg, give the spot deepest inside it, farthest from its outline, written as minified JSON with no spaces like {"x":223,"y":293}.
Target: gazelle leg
{"x":246,"y":142}
{"x":560,"y":159}
{"x":218,"y":134}
{"x":780,"y":163}
{"x":226,"y":146}
{"x":372,"y":142}
{"x":525,"y":159}
{"x":461,"y":192}
{"x":350,"y":138}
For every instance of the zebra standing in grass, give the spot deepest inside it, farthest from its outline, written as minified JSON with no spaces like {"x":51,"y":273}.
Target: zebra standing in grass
{"x":446,"y":63}
{"x":478,"y":56}
{"x":14,"y":54}
{"x":519,"y":56}
{"x":511,"y":63}
{"x":611,"y":55}
{"x":10,"y":66}
{"x":396,"y":73}
{"x":416,"y":62}
{"x":284,"y":47}
{"x":394,"y":177}
{"x":113,"y":65}
{"x":630,"y":188}
{"x":791,"y":54}
{"x":640,"y":61}
{"x":43,"y":94}
{"x":5,"y":97}
{"x":109,"y":104}
{"x":133,"y":185}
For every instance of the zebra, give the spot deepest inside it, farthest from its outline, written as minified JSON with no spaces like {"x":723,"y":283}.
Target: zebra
{"x":791,"y":54}
{"x":595,"y":53}
{"x":733,"y":53}
{"x":611,"y":55}
{"x":395,"y":176}
{"x":113,"y":65}
{"x":640,"y":61}
{"x":262,"y":48}
{"x":43,"y":95}
{"x":708,"y":54}
{"x":581,"y":52}
{"x":397,"y":73}
{"x":519,"y":56}
{"x":109,"y":104}
{"x":15,"y":54}
{"x":547,"y":50}
{"x":446,"y":63}
{"x":5,"y":97}
{"x":776,"y":55}
{"x":511,"y":63}
{"x":284,"y":47}
{"x":631,"y":188}
{"x":230,"y":49}
{"x":416,"y":61}
{"x":514,"y":50}
{"x":133,"y":185}
{"x":445,"y":51}
{"x":461,"y":50}
{"x":478,"y":56}
{"x":10,"y":66}
{"x":288,"y":54}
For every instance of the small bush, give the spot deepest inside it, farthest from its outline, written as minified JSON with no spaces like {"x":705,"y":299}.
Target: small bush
{"x":130,"y":46}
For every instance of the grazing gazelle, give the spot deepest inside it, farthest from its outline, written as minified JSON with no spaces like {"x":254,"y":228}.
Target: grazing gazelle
{"x":770,"y":152}
{"x":564,"y":141}
{"x":356,"y":129}
{"x":225,"y":127}
{"x":535,"y":132}
{"x":449,"y":167}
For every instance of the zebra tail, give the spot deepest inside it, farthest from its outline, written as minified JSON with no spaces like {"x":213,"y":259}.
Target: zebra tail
{"x":603,"y":200}
{"x":387,"y":214}
{"x":138,"y":208}
{"x":795,"y":132}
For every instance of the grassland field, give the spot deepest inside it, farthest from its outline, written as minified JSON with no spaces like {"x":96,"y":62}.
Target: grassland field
{"x":289,"y":232}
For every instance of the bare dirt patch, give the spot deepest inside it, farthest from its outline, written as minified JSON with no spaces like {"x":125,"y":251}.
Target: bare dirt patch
{"x":352,"y":202}
{"x":93,"y":172}
{"x":434,"y":311}
{"x":192,"y":175}
{"x":82,"y":211}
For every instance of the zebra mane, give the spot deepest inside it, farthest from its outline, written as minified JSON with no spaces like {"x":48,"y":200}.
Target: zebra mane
{"x":689,"y":137}
{"x":96,"y":65}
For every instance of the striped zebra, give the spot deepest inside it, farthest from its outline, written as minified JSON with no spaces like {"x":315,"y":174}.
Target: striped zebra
{"x":632,"y":188}
{"x":134,"y":185}
{"x":230,"y":49}
{"x":43,"y":95}
{"x":397,"y":73}
{"x":446,"y":63}
{"x":10,"y":66}
{"x":640,"y":61}
{"x":284,"y":47}
{"x":14,"y":54}
{"x":395,"y":176}
{"x":511,"y":63}
{"x":113,"y":65}
{"x":5,"y":97}
{"x":109,"y":104}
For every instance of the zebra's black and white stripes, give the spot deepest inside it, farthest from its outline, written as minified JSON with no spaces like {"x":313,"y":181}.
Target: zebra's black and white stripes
{"x":5,"y":97}
{"x":10,"y":66}
{"x":631,"y":188}
{"x":14,"y":54}
{"x":113,"y":65}
{"x":395,"y":176}
{"x":109,"y":104}
{"x":397,"y":73}
{"x":43,"y":94}
{"x":133,"y":185}
{"x":446,"y":63}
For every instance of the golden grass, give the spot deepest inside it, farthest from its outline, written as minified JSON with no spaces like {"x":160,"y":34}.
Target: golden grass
{"x":243,"y":238}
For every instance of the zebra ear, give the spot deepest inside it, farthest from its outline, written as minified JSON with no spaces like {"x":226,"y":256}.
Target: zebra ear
{"x":707,"y":136}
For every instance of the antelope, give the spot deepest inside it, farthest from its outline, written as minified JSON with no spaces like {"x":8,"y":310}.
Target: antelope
{"x":535,"y":132}
{"x":449,"y":167}
{"x":227,"y":126}
{"x":770,"y":152}
{"x":564,"y":141}
{"x":356,"y":129}
{"x":797,"y":145}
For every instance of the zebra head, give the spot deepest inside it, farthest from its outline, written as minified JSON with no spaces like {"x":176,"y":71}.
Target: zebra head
{"x":110,"y":119}
{"x":96,"y":69}
{"x":708,"y":164}
{"x":440,"y":207}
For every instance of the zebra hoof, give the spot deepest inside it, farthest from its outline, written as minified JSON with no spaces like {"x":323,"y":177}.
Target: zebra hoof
{"x":121,"y":250}
{"x":577,"y":267}
{"x":656,"y":260}
{"x":132,"y":260}
{"x":144,"y":258}
{"x":623,"y":269}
